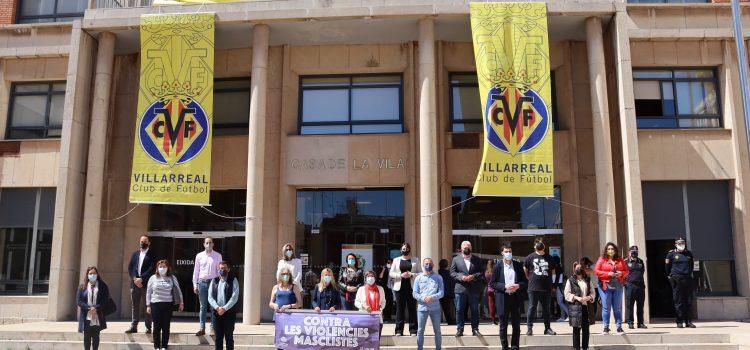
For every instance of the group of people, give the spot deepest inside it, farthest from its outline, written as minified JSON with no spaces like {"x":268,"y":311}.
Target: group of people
{"x":417,"y":291}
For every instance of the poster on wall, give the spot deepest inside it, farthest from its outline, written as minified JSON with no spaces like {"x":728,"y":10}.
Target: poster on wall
{"x":172,"y":146}
{"x":363,"y":253}
{"x":511,"y":50}
{"x":307,"y":329}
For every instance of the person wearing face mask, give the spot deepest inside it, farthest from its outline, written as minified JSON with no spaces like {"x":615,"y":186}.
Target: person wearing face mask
{"x":579,"y":294}
{"x":612,"y":271}
{"x":162,"y":291}
{"x":509,"y":281}
{"x":371,"y":298}
{"x":326,"y":295}
{"x":285,"y":295}
{"x":428,"y":290}
{"x":140,"y":268}
{"x":467,"y":271}
{"x":679,"y":263}
{"x":351,"y":278}
{"x":539,"y":268}
{"x":403,"y":271}
{"x":635,"y":288}
{"x":447,"y":301}
{"x":223,"y":294}
{"x":92,"y":295}
{"x":289,"y":261}
{"x":205,"y":269}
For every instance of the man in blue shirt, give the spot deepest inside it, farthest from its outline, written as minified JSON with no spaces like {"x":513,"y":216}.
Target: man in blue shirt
{"x":428,"y":289}
{"x":223,"y":293}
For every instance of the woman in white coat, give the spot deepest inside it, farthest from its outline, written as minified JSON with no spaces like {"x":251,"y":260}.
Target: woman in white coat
{"x":371,"y":297}
{"x":403,"y":271}
{"x":289,"y":261}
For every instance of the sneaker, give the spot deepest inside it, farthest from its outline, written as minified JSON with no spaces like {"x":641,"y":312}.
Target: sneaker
{"x":475,"y":332}
{"x":605,"y":331}
{"x":689,"y":324}
{"x":212,"y":332}
{"x":200,"y":333}
{"x":620,"y":331}
{"x":460,"y":333}
{"x":399,"y":334}
{"x":148,"y":330}
{"x":131,"y":330}
{"x":630,"y":326}
{"x":561,"y":319}
{"x":549,"y":331}
{"x":679,"y":325}
{"x":530,"y":332}
{"x":641,"y":325}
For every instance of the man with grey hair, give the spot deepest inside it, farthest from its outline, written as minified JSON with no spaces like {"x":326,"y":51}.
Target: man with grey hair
{"x":428,"y":289}
{"x":468,"y":271}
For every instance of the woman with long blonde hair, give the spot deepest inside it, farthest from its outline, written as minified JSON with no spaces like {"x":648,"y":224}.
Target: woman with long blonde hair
{"x":326,"y":295}
{"x":285,"y":295}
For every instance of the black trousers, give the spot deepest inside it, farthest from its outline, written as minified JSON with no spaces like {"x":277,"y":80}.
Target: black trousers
{"x":91,"y":338}
{"x":534,"y":298}
{"x":512,"y":310}
{"x":138,"y":306}
{"x":405,"y":301}
{"x":634,"y":296}
{"x":447,"y":304}
{"x":388,"y":310}
{"x":162,"y":315}
{"x":581,"y":334}
{"x":224,"y":331}
{"x":682,"y":295}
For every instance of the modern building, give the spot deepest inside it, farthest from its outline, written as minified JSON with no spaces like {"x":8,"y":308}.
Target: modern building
{"x":355,"y":124}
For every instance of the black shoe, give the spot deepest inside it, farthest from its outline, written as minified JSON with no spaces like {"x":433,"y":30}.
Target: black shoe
{"x":641,"y":325}
{"x":620,"y":331}
{"x":514,"y":348}
{"x":605,"y":331}
{"x":505,"y":348}
{"x":148,"y":330}
{"x":679,"y":325}
{"x":630,"y":326}
{"x":200,"y":333}
{"x":460,"y":333}
{"x":530,"y":332}
{"x":549,"y":331}
{"x":475,"y":332}
{"x":689,"y":324}
{"x":494,"y":322}
{"x":131,"y":330}
{"x":399,"y":334}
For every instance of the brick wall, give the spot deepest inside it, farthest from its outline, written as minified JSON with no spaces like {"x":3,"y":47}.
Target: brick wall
{"x":8,"y":11}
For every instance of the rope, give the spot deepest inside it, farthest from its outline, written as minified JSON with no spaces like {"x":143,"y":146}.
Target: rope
{"x":550,"y":198}
{"x":123,"y":215}
{"x":451,"y":206}
{"x":227,"y":217}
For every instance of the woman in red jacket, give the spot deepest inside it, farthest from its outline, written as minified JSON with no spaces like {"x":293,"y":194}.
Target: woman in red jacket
{"x":611,"y":270}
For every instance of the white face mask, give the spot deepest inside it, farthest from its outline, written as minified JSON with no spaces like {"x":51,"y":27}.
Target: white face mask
{"x":162,"y":271}
{"x":370,"y":280}
{"x":680,"y":247}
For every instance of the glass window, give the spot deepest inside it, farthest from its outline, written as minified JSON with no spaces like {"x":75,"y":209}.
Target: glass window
{"x":24,"y":248}
{"x":37,"y":11}
{"x":505,"y":212}
{"x":231,"y":106}
{"x":682,"y":98}
{"x":194,"y":218}
{"x":36,"y":110}
{"x":367,"y":104}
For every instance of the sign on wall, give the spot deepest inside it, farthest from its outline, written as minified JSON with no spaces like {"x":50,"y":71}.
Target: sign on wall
{"x":511,"y":49}
{"x":172,"y":147}
{"x":303,"y":329}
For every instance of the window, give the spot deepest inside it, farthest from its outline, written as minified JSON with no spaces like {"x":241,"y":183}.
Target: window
{"x":465,"y":103}
{"x":26,"y":217}
{"x":231,"y":106}
{"x":36,"y":110}
{"x":676,"y":98}
{"x":358,"y":104}
{"x":38,"y":11}
{"x":162,"y":217}
{"x":497,"y":213}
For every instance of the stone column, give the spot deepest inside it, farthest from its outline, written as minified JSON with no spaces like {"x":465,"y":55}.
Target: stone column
{"x":428,"y":170}
{"x":252,"y":293}
{"x":605,"y":194}
{"x":92,"y":210}
{"x":65,"y":250}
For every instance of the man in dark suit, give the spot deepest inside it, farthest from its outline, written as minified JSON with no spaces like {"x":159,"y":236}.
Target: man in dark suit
{"x":468,"y":272}
{"x":509,"y":281}
{"x":140,"y":269}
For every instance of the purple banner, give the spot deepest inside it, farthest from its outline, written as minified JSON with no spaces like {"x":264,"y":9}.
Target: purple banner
{"x":327,"y":330}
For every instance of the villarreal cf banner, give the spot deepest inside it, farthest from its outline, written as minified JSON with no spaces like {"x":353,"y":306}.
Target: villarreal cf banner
{"x":511,"y":50}
{"x":172,"y":148}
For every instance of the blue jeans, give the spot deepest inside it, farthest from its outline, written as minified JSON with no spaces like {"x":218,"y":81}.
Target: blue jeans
{"x":462,"y":299}
{"x":561,"y":302}
{"x":611,"y":299}
{"x":203,"y":298}
{"x":434,"y":316}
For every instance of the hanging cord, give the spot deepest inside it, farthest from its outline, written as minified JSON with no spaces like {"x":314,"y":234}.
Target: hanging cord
{"x":549,"y":198}
{"x":227,"y":217}
{"x":451,"y":206}
{"x":123,"y":215}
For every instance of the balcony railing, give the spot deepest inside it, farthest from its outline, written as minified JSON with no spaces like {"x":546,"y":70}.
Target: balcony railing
{"x":108,"y":4}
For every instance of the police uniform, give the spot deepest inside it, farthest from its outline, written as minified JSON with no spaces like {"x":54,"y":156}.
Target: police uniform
{"x":635,"y":291}
{"x":680,"y":272}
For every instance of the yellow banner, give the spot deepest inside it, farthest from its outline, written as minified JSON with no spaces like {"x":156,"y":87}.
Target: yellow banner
{"x":172,"y":148}
{"x":511,"y":49}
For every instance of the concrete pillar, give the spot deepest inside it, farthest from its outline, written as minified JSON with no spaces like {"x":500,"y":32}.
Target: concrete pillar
{"x":605,"y":194}
{"x":629,"y":135}
{"x":252,"y":293}
{"x":92,"y":212}
{"x":64,"y":262}
{"x":429,"y":191}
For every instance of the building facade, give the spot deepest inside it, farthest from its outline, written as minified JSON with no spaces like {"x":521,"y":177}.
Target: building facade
{"x":346,"y":126}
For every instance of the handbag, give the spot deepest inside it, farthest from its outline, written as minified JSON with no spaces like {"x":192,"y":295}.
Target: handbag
{"x":175,"y":296}
{"x":109,"y":307}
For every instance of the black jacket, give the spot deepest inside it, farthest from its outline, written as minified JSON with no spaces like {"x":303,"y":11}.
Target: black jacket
{"x":458,"y":271}
{"x":326,"y":299}
{"x":498,"y":284}
{"x":147,"y":269}
{"x":575,"y":309}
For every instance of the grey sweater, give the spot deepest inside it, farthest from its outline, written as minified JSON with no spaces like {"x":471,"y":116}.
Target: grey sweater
{"x":159,"y":290}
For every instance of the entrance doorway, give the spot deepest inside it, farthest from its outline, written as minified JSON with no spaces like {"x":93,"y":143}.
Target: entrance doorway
{"x":659,"y":291}
{"x":180,"y":248}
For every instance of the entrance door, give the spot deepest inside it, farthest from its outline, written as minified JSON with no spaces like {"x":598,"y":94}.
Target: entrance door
{"x":180,"y":248}
{"x":659,"y":290}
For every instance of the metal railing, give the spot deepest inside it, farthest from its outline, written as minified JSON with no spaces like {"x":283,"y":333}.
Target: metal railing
{"x":98,"y":4}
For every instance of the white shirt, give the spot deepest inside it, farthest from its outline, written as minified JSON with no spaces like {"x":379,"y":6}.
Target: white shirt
{"x":509,"y":273}
{"x":468,"y":262}
{"x":141,"y":256}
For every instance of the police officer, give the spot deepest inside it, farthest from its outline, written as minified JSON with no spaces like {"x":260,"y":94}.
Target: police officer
{"x":635,"y":288}
{"x":680,"y":273}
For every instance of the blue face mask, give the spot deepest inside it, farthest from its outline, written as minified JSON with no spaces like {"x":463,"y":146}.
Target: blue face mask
{"x":508,"y":256}
{"x":351,"y":262}
{"x":289,"y":253}
{"x":428,"y":267}
{"x":92,"y":277}
{"x":285,"y":278}
{"x":327,"y":279}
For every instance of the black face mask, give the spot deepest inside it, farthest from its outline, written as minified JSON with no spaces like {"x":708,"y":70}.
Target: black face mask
{"x":634,"y":254}
{"x":539,"y":246}
{"x":405,"y":252}
{"x":467,"y":251}
{"x":579,"y":271}
{"x":144,"y":245}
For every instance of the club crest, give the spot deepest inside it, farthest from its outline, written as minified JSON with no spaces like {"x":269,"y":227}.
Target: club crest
{"x":516,"y":120}
{"x":174,"y":131}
